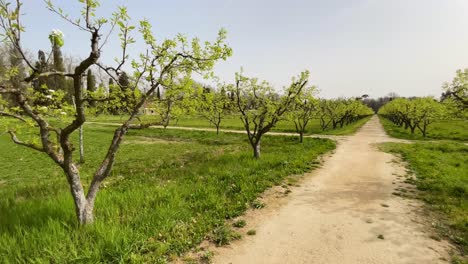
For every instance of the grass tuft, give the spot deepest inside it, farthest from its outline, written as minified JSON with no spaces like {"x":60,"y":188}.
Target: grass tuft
{"x":239,"y":223}
{"x":257,"y":204}
{"x":251,"y":232}
{"x":223,"y":235}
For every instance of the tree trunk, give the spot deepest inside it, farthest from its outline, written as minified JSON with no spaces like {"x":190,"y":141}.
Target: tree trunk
{"x":301,"y":136}
{"x":218,"y":123}
{"x":82,"y":159}
{"x":83,"y":209}
{"x":80,"y":204}
{"x":87,"y":214}
{"x":84,"y":206}
{"x":256,"y":149}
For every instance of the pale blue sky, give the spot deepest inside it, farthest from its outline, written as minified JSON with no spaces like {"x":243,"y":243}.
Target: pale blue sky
{"x":351,"y":47}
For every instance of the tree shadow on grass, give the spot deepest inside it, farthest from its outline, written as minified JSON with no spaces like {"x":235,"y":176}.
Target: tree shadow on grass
{"x":18,"y":215}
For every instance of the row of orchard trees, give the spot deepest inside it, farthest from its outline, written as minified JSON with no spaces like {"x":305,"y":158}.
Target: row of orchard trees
{"x":29,"y":104}
{"x":417,"y":113}
{"x":341,"y":112}
{"x":187,"y":97}
{"x":250,"y":96}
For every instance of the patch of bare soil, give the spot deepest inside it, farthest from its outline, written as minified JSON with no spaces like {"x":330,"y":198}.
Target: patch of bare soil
{"x":347,"y":211}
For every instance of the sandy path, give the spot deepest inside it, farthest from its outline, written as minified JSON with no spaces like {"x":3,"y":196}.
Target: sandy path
{"x":338,"y":212}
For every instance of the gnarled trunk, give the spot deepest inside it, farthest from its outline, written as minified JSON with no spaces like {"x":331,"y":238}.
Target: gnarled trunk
{"x":84,"y":204}
{"x":423,"y":129}
{"x":86,"y":213}
{"x":256,"y":149}
{"x":412,"y":128}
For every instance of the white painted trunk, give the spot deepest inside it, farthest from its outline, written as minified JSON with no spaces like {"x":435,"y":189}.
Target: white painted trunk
{"x":256,"y":148}
{"x":82,"y":159}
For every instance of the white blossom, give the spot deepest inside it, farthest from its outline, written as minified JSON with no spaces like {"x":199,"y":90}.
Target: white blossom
{"x":57,"y":32}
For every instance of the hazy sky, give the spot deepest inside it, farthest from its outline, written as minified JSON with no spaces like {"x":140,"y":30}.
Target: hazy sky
{"x":351,"y":47}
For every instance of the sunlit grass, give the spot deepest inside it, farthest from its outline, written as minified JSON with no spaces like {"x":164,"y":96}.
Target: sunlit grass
{"x":442,"y":129}
{"x":168,"y":191}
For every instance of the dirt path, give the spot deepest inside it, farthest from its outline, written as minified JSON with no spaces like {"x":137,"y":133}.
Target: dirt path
{"x":339,"y":212}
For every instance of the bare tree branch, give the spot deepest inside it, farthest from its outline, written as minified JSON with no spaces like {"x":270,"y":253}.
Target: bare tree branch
{"x":66,"y":18}
{"x":108,"y":71}
{"x":108,"y":35}
{"x":88,"y":22}
{"x":12,"y":115}
{"x":15,"y":139}
{"x":44,"y":127}
{"x":36,"y":75}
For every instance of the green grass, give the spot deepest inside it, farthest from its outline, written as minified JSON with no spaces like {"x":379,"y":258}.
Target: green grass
{"x":239,"y":223}
{"x":223,"y":235}
{"x":233,"y":122}
{"x":442,"y":129}
{"x":251,"y":232}
{"x":442,"y":176}
{"x":168,"y":191}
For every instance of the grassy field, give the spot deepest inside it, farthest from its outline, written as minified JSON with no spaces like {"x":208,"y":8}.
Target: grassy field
{"x":442,"y":176}
{"x":169,"y":190}
{"x":234,"y":123}
{"x":443,"y":129}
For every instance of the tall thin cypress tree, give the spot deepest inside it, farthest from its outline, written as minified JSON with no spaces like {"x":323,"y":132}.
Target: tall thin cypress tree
{"x":127,"y":99}
{"x":91,"y":84}
{"x":123,"y":81}
{"x":58,"y":82}
{"x":16,"y":61}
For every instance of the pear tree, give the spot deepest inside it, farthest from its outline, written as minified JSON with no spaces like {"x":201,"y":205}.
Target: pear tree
{"x":154,"y":67}
{"x":303,"y":110}
{"x":261,"y":108}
